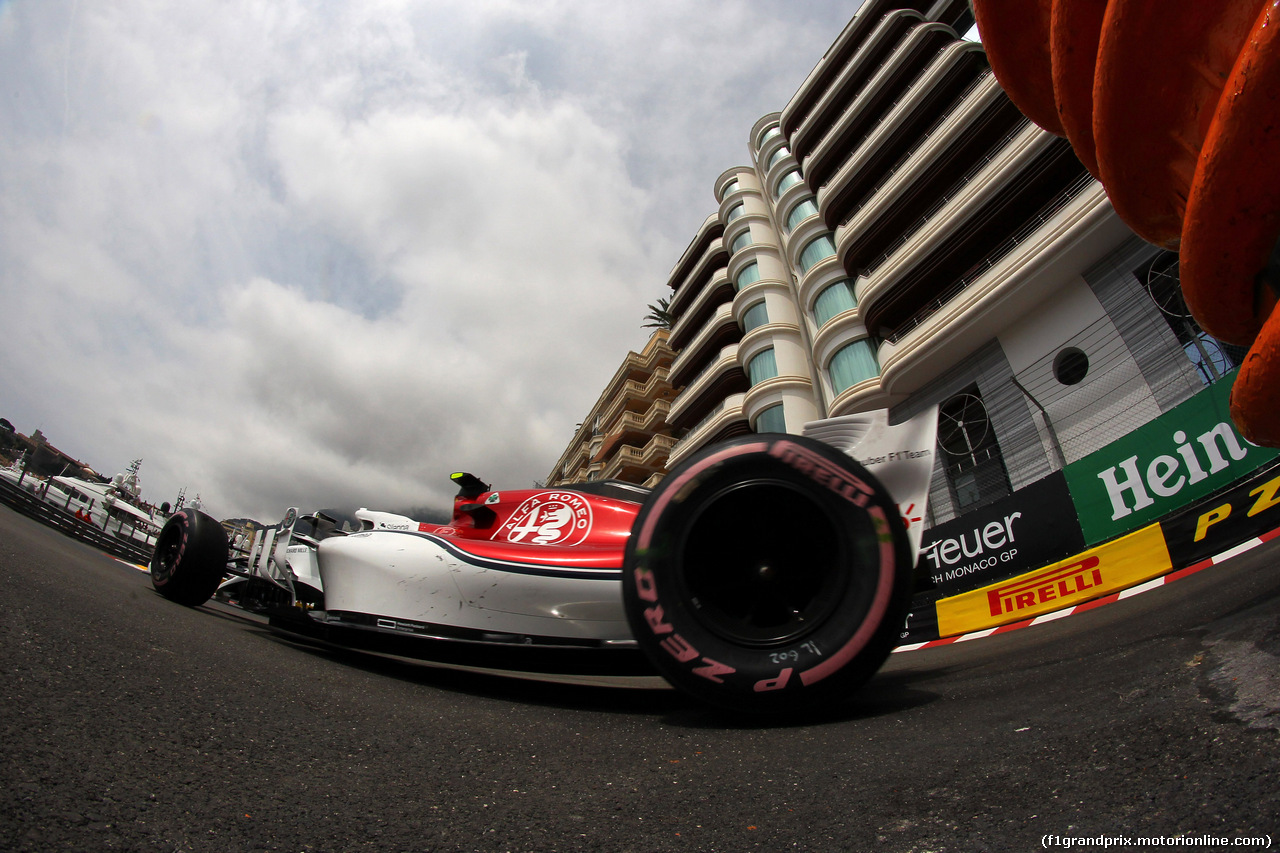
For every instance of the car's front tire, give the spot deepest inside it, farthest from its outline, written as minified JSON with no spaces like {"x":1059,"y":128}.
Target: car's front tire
{"x":768,"y":574}
{"x":190,"y":558}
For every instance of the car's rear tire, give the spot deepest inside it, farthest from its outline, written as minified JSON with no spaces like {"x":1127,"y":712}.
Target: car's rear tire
{"x":768,"y":574}
{"x":190,"y":558}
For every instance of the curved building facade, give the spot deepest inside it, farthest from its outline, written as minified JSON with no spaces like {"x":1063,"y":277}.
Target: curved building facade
{"x":903,"y":237}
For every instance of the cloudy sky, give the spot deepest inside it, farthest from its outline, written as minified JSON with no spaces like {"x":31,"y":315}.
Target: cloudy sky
{"x":323,"y":253}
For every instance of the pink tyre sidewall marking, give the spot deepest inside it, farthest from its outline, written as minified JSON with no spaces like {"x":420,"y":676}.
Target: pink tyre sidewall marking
{"x":875,"y":613}
{"x":655,"y":512}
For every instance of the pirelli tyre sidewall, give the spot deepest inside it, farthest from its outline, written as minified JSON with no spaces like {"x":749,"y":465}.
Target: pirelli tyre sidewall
{"x":190,"y":558}
{"x":768,"y":574}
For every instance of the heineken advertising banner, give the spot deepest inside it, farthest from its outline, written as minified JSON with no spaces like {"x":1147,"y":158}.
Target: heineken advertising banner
{"x":1033,"y":527}
{"x":1181,"y":456}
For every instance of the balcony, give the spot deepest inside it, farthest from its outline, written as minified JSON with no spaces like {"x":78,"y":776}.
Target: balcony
{"x":636,"y":464}
{"x":917,"y":53}
{"x":633,"y":390}
{"x":690,"y":286}
{"x":720,"y":330}
{"x":876,"y":212}
{"x":652,"y":419}
{"x":930,"y":103}
{"x":720,"y":378}
{"x":717,"y":290}
{"x":656,"y":451}
{"x":1071,"y":234}
{"x":642,"y":418}
{"x":834,"y":94}
{"x":723,"y":420}
{"x":655,"y":384}
{"x":960,"y":228}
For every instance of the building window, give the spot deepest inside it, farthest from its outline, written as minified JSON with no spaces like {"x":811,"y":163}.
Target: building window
{"x":769,"y":134}
{"x":749,"y":274}
{"x":818,"y":249}
{"x":790,"y":179}
{"x":755,"y":317}
{"x":834,"y":299}
{"x":762,"y":366}
{"x":772,"y":419}
{"x":729,"y":188}
{"x":1071,"y":366}
{"x":853,"y":363}
{"x":734,"y":212}
{"x":777,"y":155}
{"x":1212,"y":358}
{"x":974,"y":467}
{"x":800,"y":213}
{"x":743,"y":239}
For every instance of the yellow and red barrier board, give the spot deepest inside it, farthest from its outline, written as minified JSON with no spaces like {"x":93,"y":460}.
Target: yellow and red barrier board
{"x":1111,"y":567}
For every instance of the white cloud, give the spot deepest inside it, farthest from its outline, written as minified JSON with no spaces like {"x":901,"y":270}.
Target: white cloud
{"x":291,"y":252}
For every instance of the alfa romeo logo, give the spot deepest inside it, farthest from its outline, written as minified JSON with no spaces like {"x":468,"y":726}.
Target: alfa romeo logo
{"x":549,"y":518}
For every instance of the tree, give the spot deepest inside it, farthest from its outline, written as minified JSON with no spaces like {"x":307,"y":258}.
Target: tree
{"x":659,"y":316}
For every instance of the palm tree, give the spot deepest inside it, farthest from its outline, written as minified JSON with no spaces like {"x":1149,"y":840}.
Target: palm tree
{"x":659,"y":317}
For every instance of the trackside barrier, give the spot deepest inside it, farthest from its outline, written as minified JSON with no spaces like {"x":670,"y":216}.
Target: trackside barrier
{"x":1243,"y":513}
{"x":1186,"y":476}
{"x":1116,"y":565}
{"x":66,"y":522}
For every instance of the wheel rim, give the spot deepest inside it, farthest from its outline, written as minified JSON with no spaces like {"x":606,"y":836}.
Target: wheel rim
{"x":167,"y":550}
{"x":763,"y":584}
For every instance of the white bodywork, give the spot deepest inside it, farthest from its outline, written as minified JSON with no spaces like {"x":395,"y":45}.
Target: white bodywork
{"x":304,"y":565}
{"x":372,"y":519}
{"x":417,"y":579}
{"x":280,"y":556}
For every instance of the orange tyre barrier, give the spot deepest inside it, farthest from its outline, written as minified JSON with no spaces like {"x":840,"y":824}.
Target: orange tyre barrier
{"x":1022,"y":65}
{"x":1175,"y":106}
{"x":1074,"y":32}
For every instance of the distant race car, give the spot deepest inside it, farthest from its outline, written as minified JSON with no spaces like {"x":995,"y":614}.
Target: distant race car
{"x":767,"y":574}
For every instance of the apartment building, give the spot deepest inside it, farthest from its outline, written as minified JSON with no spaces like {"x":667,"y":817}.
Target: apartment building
{"x":625,"y":436}
{"x":903,"y":237}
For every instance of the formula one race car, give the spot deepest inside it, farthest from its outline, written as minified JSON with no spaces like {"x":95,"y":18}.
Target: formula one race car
{"x":767,"y":574}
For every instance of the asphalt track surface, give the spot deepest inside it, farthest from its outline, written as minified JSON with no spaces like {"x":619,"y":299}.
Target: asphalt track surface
{"x":130,"y":723}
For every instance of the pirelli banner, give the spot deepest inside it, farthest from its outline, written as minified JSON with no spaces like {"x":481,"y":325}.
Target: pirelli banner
{"x":1117,"y":565}
{"x":1180,"y":457}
